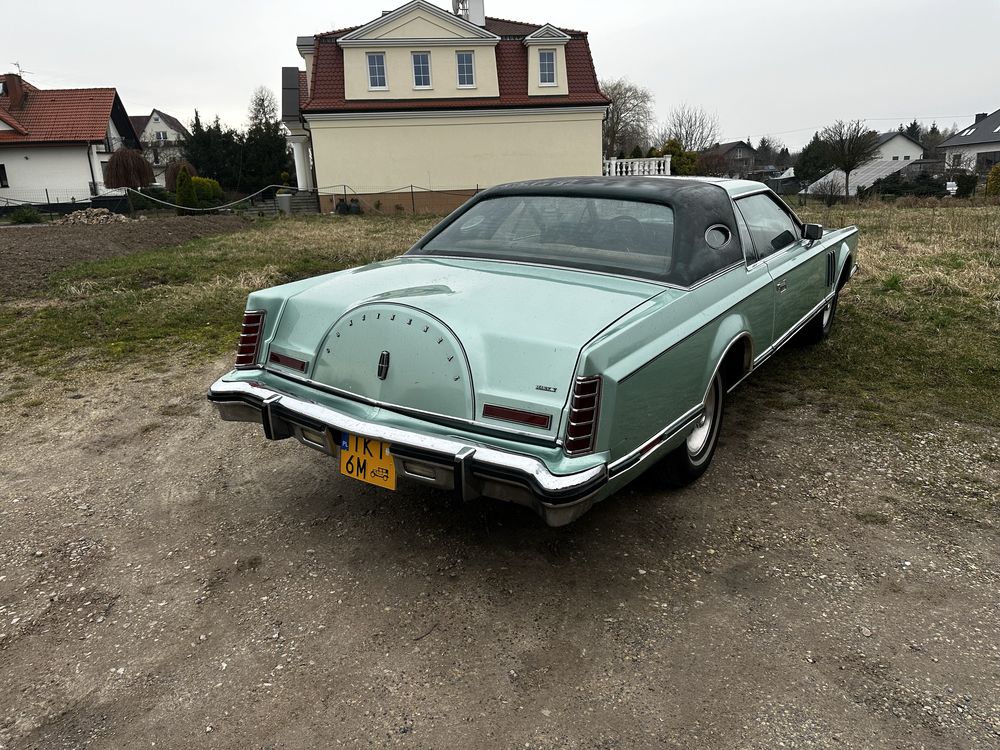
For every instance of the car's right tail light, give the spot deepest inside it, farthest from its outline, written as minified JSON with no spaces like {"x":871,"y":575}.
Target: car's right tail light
{"x":584,"y":406}
{"x":250,"y":335}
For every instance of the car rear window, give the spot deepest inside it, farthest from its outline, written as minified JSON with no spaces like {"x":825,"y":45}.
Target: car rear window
{"x":604,"y":234}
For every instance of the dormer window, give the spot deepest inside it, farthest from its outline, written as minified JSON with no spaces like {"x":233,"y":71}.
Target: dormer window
{"x":376,"y":71}
{"x":466,"y":69}
{"x":421,"y":70}
{"x":546,"y":67}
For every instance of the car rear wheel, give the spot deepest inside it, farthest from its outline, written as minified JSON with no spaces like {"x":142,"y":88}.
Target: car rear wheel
{"x":690,"y":460}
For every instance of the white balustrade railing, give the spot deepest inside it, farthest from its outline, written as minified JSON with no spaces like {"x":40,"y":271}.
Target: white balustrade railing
{"x":655,"y":166}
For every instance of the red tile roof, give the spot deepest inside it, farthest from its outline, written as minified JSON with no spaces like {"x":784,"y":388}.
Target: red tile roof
{"x":512,"y":73}
{"x":504,"y":27}
{"x":58,"y":115}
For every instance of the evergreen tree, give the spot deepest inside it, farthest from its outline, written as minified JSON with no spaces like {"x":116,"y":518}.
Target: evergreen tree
{"x":186,"y":195}
{"x":814,"y":161}
{"x":682,"y":162}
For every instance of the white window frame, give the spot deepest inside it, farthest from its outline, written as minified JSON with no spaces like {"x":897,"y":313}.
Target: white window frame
{"x":368,"y":71}
{"x":158,"y":133}
{"x":555,"y":68}
{"x":413,"y":68}
{"x":458,"y":69}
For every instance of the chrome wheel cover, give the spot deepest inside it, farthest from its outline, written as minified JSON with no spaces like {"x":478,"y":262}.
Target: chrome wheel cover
{"x":827,"y":314}
{"x":702,"y":431}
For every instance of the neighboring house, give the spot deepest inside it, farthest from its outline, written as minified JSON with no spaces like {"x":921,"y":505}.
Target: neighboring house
{"x":162,"y":138}
{"x":896,"y":146}
{"x":896,"y":151}
{"x":55,"y":143}
{"x":732,"y":159}
{"x":976,"y":148}
{"x":785,"y":183}
{"x":447,"y":102}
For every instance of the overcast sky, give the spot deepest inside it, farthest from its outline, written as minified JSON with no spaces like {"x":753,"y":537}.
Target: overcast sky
{"x":777,"y":67}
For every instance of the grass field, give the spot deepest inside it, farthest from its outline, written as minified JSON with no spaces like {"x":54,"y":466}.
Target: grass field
{"x":918,"y":328}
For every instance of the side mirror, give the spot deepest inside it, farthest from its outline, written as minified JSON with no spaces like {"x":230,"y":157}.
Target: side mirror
{"x":812,"y":232}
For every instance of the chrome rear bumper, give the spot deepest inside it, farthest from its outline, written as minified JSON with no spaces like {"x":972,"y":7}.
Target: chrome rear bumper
{"x":469,"y":469}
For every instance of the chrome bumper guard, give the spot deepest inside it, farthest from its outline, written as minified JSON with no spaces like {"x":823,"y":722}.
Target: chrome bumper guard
{"x":469,"y":469}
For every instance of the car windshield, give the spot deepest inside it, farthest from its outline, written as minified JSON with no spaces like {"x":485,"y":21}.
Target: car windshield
{"x":627,"y":237}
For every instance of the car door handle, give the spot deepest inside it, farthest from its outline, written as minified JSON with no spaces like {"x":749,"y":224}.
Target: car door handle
{"x":781,"y":286}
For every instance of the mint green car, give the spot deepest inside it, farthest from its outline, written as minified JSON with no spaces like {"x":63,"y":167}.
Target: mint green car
{"x":546,"y":343}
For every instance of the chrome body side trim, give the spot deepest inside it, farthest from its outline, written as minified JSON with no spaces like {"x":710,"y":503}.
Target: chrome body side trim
{"x":644,"y":451}
{"x":787,"y":335}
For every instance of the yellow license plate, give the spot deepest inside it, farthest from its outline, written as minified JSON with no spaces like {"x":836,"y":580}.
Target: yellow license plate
{"x":367,"y":460}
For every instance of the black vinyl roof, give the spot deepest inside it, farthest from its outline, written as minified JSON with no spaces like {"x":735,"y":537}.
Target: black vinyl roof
{"x":697,"y":205}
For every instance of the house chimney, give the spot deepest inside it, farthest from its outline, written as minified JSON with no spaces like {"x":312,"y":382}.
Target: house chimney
{"x":14,"y":88}
{"x":981,"y":116}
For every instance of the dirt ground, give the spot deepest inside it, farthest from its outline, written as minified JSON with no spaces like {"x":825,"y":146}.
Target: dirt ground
{"x":29,"y":253}
{"x":170,"y":580}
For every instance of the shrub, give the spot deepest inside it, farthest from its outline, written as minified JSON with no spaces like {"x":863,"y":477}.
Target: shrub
{"x":993,"y":181}
{"x":173,"y":169}
{"x":25,"y":215}
{"x":128,"y":168}
{"x":186,"y":197}
{"x":966,"y":184}
{"x":208,"y":192}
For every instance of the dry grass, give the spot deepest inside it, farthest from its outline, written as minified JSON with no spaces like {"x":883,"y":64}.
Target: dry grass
{"x":919,"y":328}
{"x":918,"y":331}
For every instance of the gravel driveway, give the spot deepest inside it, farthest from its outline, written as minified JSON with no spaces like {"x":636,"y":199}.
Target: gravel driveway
{"x":170,"y":580}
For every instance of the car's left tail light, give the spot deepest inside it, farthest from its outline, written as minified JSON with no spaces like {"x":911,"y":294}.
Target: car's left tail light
{"x":585,"y":406}
{"x":250,"y":336}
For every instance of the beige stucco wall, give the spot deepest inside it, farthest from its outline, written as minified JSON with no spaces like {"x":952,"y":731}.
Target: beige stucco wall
{"x":417,"y":26}
{"x":534,"y":88}
{"x":399,"y":73}
{"x":448,"y":152}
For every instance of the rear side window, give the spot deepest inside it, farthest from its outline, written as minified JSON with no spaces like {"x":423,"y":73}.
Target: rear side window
{"x":771,"y":228}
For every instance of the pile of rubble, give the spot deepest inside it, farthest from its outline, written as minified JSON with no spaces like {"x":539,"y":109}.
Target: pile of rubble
{"x":93,"y":216}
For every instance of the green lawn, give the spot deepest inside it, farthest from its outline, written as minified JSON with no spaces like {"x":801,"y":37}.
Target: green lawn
{"x":918,"y":328}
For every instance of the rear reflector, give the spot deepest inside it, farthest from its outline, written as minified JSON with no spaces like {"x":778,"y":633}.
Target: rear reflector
{"x":285,"y":361}
{"x":250,"y":335}
{"x":581,"y":430}
{"x":517,"y":415}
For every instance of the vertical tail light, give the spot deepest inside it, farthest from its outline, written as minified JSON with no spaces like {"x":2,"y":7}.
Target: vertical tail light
{"x":250,"y":335}
{"x":581,"y":431}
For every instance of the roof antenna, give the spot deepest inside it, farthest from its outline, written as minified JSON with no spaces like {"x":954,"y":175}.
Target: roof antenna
{"x":21,"y":71}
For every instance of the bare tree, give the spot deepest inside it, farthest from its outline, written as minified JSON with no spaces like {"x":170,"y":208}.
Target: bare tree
{"x":692,"y":127}
{"x":851,"y":144}
{"x":629,"y":117}
{"x":829,"y":189}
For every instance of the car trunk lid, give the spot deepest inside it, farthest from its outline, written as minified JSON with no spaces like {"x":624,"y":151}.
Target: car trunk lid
{"x":446,"y":337}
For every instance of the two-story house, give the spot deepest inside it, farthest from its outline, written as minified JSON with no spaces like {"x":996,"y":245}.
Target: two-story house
{"x":445,"y":101}
{"x":162,"y":138}
{"x":55,"y":143}
{"x":731,"y":159}
{"x":895,"y":151}
{"x":976,"y":147}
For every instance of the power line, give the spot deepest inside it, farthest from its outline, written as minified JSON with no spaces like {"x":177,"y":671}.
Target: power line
{"x":866,"y":119}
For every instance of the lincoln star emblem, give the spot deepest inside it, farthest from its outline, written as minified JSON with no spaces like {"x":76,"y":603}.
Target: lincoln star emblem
{"x":383,"y":365}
